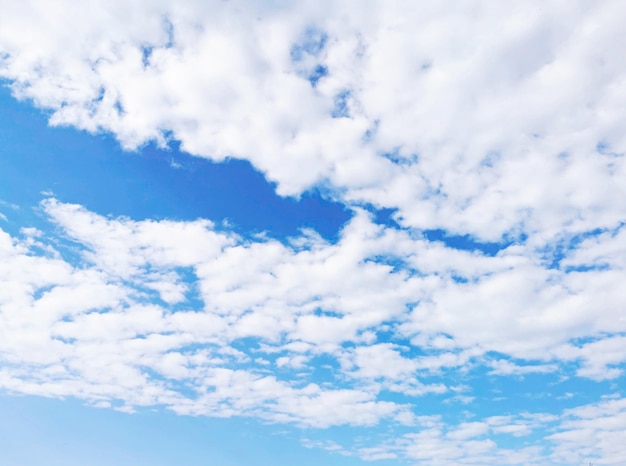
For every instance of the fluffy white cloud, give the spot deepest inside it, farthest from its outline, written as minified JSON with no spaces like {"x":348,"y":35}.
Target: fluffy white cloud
{"x":194,"y":318}
{"x":471,"y":117}
{"x":592,"y":432}
{"x":496,"y":123}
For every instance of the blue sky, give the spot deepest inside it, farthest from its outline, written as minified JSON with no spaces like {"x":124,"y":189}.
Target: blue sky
{"x":312,"y":233}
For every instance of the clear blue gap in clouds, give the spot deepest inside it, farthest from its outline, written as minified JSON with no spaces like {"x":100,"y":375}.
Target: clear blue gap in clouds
{"x":553,"y":254}
{"x":466,"y":242}
{"x":152,"y":183}
{"x":92,"y":170}
{"x":308,"y":49}
{"x":384,"y":216}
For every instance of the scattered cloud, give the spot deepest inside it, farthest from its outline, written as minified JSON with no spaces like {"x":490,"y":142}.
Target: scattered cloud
{"x":201,"y":321}
{"x":486,"y":124}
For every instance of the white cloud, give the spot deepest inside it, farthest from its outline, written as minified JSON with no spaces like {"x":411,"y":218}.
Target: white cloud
{"x":156,"y":313}
{"x":592,"y":433}
{"x":597,"y":357}
{"x":498,"y":120}
{"x":504,"y":367}
{"x":586,"y":434}
{"x":494,"y":123}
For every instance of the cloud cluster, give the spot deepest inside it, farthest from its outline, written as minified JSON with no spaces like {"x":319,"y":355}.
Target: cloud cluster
{"x":191,"y":317}
{"x":501,"y":126}
{"x":470,"y":117}
{"x":588,"y":434}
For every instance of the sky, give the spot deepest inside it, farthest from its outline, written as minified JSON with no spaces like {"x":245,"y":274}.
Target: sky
{"x":313,"y":232}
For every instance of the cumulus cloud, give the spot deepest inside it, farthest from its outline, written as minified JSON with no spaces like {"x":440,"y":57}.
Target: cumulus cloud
{"x":497,"y":125}
{"x":128,"y":314}
{"x":474,"y":118}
